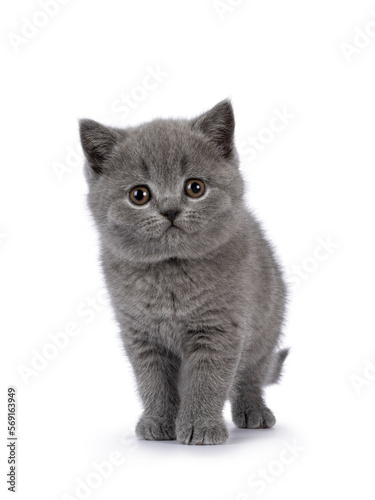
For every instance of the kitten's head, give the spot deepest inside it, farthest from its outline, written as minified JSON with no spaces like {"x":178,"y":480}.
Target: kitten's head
{"x":165,"y":189}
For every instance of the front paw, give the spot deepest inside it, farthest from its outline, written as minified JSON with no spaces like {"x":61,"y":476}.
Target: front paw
{"x":202,"y":431}
{"x":155,"y":428}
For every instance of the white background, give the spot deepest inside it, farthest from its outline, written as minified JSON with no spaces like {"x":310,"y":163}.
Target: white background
{"x":311,"y":183}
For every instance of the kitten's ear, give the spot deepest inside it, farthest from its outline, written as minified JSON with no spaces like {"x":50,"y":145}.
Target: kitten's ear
{"x":218,"y":125}
{"x":97,"y":142}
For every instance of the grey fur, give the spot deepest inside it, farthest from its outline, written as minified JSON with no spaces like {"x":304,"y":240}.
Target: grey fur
{"x":200,"y":306}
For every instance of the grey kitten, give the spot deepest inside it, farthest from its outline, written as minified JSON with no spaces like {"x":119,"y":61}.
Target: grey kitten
{"x":194,"y":283}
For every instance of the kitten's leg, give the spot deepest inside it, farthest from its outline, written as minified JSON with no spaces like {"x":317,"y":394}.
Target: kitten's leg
{"x":156,"y":372}
{"x":209,"y":365}
{"x":249,"y":410}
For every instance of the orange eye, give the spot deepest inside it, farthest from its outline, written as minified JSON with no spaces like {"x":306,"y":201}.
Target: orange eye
{"x":194,"y":188}
{"x":140,"y":195}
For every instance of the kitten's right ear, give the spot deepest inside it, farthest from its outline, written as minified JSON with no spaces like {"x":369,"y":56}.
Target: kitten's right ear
{"x":97,"y":142}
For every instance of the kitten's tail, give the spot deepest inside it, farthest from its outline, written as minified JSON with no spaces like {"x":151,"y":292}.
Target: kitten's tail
{"x":275,"y":371}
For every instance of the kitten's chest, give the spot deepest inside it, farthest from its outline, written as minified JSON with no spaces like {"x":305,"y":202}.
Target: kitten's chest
{"x":174,"y":288}
{"x":171,"y":289}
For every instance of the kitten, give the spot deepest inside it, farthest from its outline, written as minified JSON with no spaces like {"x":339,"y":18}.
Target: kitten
{"x":194,"y":283}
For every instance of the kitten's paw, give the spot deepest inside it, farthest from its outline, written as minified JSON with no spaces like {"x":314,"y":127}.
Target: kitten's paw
{"x":190,"y":432}
{"x":254,"y":418}
{"x":155,"y":428}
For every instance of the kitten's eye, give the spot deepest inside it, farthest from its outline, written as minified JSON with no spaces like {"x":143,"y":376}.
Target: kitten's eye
{"x":140,"y":195}
{"x":194,"y":188}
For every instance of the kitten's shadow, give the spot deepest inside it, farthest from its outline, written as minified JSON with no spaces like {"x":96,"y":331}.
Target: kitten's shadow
{"x":237,"y":438}
{"x":241,"y":436}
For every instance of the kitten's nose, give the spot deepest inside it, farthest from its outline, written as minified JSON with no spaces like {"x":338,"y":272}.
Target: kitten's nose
{"x":171,"y":214}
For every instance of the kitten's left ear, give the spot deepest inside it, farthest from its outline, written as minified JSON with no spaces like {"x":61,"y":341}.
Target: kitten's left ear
{"x":218,"y":125}
{"x":97,"y":142}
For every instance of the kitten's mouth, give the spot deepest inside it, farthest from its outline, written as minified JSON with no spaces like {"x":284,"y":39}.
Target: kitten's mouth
{"x":172,"y":228}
